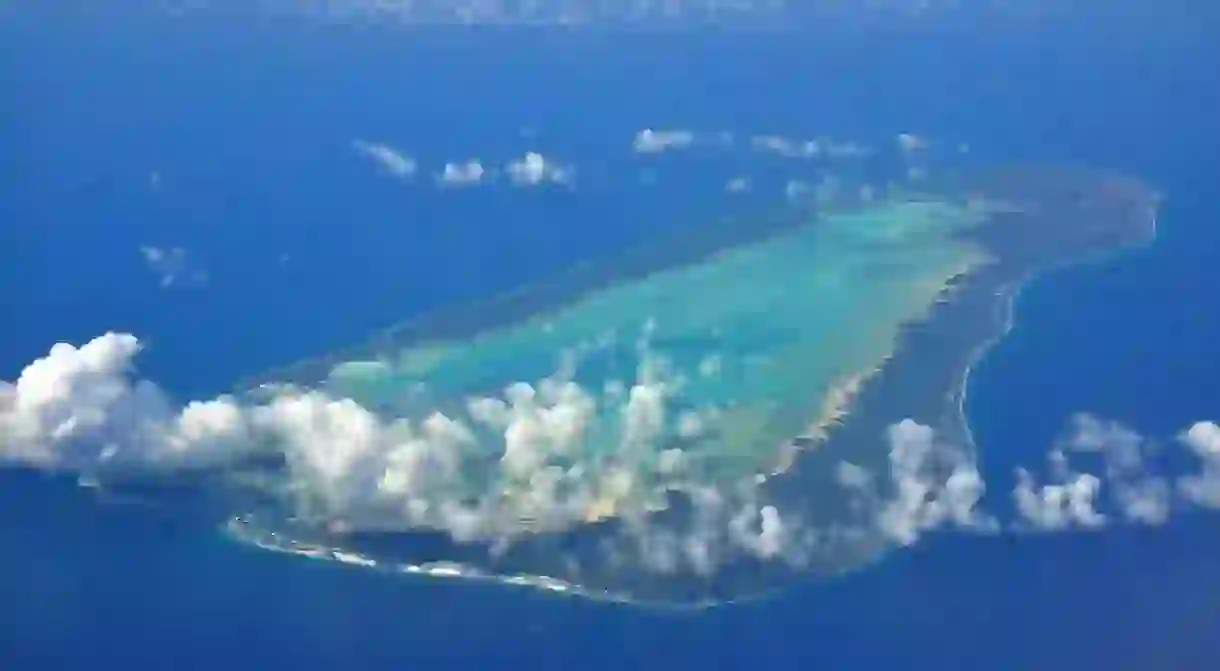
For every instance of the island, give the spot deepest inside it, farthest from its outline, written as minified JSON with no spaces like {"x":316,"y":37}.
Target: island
{"x":667,"y":425}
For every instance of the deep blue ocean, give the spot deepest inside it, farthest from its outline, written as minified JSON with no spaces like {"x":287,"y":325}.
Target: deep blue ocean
{"x":248,"y":125}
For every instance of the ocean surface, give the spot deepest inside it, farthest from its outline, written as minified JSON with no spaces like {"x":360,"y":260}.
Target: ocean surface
{"x":230,"y":137}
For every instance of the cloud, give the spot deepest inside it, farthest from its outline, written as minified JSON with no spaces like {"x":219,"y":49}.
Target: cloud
{"x":1203,"y":489}
{"x":1140,"y":495}
{"x":723,"y":524}
{"x":752,"y":14}
{"x":538,"y":12}
{"x":78,"y":409}
{"x":649,"y":141}
{"x":782,"y":146}
{"x":468,"y":173}
{"x":931,"y":485}
{"x":534,"y":169}
{"x":1126,"y":488}
{"x":83,"y":410}
{"x":173,"y":266}
{"x":845,"y":150}
{"x":820,"y":148}
{"x":1068,"y":502}
{"x":748,"y":15}
{"x":389,"y":159}
{"x":911,"y":143}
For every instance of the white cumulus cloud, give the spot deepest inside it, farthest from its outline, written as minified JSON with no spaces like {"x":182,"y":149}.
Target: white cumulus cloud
{"x":389,"y":159}
{"x":649,"y":141}
{"x":466,"y":173}
{"x":1140,"y":495}
{"x":534,"y":169}
{"x":79,"y":409}
{"x":83,"y":409}
{"x":1069,"y":501}
{"x":1203,"y":489}
{"x":910,"y":143}
{"x":934,"y":485}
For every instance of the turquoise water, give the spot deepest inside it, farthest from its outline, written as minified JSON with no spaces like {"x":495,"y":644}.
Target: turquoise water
{"x":695,"y":377}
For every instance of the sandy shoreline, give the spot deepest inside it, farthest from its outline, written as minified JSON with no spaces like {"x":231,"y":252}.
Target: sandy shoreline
{"x":839,"y":400}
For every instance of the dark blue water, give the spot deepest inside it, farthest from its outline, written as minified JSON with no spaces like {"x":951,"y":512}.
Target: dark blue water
{"x":249,"y":125}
